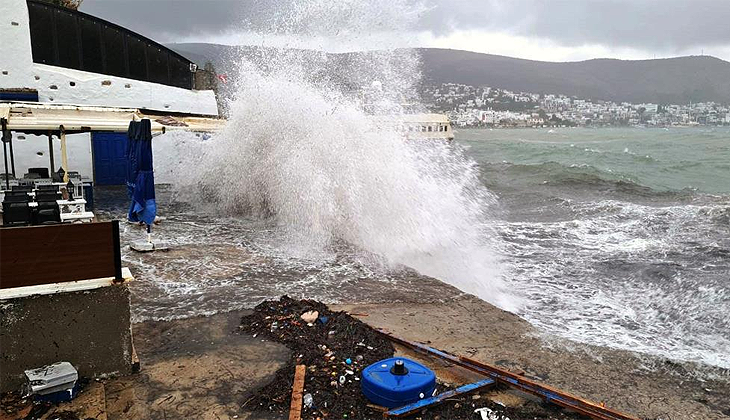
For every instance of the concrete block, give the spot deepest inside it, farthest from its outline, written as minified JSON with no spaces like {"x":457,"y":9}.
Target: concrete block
{"x":89,"y":328}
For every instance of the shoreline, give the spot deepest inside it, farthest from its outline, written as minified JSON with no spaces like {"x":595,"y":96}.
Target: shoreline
{"x":203,"y":367}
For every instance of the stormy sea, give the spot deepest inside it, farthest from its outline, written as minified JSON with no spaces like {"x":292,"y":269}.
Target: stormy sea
{"x":613,"y":237}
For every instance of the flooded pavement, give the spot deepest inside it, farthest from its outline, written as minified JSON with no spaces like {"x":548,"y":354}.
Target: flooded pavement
{"x":220,"y":264}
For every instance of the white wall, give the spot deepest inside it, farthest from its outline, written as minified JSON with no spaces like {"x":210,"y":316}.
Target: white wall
{"x":31,"y":151}
{"x":17,"y":70}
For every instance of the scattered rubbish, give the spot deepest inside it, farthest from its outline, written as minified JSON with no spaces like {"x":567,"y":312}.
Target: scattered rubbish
{"x":55,"y":382}
{"x":308,"y":400}
{"x":396,"y":382}
{"x":522,"y":383}
{"x":325,"y":350}
{"x":317,"y":347}
{"x":348,"y":361}
{"x":488,"y":414}
{"x":323,"y":319}
{"x":310,"y":316}
{"x":440,"y":398}
{"x":144,"y":245}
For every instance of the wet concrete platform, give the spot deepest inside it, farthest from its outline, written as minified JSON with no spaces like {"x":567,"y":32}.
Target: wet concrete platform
{"x":196,"y":368}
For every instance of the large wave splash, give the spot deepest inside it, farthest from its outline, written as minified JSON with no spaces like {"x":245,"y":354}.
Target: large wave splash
{"x":300,"y":150}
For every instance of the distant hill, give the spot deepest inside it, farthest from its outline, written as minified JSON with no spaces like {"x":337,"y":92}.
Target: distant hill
{"x":672,"y":80}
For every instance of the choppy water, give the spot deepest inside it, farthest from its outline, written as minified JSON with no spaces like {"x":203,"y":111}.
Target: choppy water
{"x":611,"y":237}
{"x":617,"y":237}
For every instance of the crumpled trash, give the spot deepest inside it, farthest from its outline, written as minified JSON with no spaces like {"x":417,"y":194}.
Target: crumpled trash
{"x":310,"y":316}
{"x":488,"y":414}
{"x":308,"y":400}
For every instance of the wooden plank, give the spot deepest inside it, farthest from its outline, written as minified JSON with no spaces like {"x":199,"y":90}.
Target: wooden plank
{"x":49,"y":254}
{"x":295,"y":412}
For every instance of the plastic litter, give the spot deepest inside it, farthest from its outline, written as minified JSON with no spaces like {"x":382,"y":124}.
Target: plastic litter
{"x":310,"y":316}
{"x":60,"y":376}
{"x":308,"y":400}
{"x":488,"y":414}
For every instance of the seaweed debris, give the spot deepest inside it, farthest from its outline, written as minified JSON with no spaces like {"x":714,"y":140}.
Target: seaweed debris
{"x":336,"y":347}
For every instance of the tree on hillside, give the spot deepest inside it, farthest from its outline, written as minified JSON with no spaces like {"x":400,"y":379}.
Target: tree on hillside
{"x":69,"y":4}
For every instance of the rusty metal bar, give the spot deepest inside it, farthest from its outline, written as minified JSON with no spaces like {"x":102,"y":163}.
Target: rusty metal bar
{"x":438,"y":399}
{"x":550,"y":394}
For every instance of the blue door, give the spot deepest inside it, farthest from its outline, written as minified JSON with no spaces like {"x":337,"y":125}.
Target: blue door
{"x":110,"y":165}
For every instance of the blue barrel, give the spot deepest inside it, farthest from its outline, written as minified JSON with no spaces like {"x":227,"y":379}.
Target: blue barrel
{"x":397,"y":382}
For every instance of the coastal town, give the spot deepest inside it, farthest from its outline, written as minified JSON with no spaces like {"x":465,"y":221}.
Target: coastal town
{"x":484,"y":106}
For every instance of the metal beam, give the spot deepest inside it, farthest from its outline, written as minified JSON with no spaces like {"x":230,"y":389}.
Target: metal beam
{"x":549,"y":394}
{"x":5,"y":132}
{"x":64,"y":155}
{"x":3,"y":127}
{"x":438,"y":399}
{"x":50,"y":152}
{"x":5,"y":155}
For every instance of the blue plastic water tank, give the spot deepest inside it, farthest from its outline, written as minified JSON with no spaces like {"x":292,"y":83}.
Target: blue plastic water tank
{"x":397,"y":382}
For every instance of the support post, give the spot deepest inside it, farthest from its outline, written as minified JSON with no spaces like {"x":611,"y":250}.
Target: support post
{"x":50,"y":152}
{"x":3,"y":126}
{"x":12,"y":157}
{"x":64,"y":156}
{"x":9,"y":137}
{"x":5,"y":155}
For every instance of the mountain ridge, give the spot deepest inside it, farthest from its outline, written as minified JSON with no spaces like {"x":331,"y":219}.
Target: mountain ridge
{"x":675,"y":80}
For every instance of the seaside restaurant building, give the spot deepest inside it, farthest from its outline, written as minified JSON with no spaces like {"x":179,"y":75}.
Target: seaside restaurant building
{"x":54,"y":60}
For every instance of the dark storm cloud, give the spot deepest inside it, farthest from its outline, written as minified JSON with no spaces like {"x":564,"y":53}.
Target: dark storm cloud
{"x":641,"y":24}
{"x":166,"y":20}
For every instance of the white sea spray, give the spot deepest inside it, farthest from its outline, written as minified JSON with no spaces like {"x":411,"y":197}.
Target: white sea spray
{"x":300,"y":150}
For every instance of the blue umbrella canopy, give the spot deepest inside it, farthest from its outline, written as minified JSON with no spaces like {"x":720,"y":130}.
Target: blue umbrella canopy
{"x":140,"y":176}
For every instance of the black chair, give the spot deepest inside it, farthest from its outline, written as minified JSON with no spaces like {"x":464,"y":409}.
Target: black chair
{"x":47,"y":212}
{"x":16,"y":214}
{"x":41,"y":172}
{"x":47,"y":187}
{"x":48,"y":196}
{"x":16,"y":197}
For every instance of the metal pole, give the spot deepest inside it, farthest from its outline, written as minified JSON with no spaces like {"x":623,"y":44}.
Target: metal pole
{"x":9,"y":137}
{"x":50,"y":151}
{"x":64,"y":157}
{"x":5,"y":152}
{"x":12,"y":157}
{"x":5,"y":155}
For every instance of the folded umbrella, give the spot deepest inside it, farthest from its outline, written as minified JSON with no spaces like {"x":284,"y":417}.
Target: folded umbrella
{"x":140,"y":176}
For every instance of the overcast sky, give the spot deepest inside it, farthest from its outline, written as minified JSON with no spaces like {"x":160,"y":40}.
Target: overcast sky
{"x":555,"y":30}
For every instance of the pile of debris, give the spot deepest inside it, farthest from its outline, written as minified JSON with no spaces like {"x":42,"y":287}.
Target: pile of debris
{"x":335,"y":348}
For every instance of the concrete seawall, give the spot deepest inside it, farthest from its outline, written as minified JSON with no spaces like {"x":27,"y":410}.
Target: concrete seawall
{"x":89,"y":328}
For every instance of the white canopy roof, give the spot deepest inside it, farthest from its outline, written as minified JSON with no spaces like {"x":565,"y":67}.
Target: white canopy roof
{"x":32,"y":117}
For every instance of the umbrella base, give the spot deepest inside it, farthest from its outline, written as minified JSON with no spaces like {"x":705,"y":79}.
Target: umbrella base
{"x":143,"y":245}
